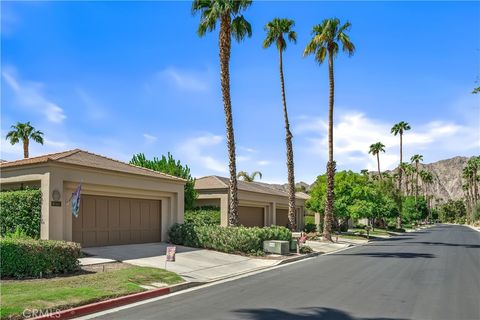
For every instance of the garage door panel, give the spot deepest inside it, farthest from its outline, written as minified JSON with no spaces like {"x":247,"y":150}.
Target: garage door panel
{"x":124,"y":214}
{"x":88,"y":211}
{"x":114,"y":237}
{"x":101,"y":213}
{"x":124,"y":237}
{"x":89,"y":238}
{"x":145,"y":215}
{"x":282,"y":217}
{"x":154,"y":218}
{"x":135,"y":236}
{"x":135,"y":214}
{"x":111,"y":221}
{"x":114,"y":214}
{"x":251,"y":216}
{"x":102,"y":238}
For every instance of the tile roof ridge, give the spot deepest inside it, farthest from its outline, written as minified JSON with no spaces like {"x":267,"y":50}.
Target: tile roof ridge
{"x":135,"y":166}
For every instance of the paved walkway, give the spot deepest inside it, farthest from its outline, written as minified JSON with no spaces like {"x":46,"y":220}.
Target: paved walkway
{"x":193,"y":264}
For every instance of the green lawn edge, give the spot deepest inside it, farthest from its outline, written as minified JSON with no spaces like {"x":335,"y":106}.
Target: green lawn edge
{"x":66,"y":292}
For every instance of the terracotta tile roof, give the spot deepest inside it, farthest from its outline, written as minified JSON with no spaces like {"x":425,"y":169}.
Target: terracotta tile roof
{"x":88,"y":159}
{"x":217,"y":182}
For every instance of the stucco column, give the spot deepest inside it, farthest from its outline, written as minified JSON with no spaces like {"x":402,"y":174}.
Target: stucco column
{"x":224,"y":210}
{"x":45,"y":216}
{"x":318,"y":221}
{"x":273,"y":208}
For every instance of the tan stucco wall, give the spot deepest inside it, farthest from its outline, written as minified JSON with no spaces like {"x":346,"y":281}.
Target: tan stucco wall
{"x":270,"y":203}
{"x":57,"y":221}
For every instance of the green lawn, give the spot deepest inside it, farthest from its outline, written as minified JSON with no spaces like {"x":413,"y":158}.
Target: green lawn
{"x":64,"y":292}
{"x":377,"y":231}
{"x":354,"y":237}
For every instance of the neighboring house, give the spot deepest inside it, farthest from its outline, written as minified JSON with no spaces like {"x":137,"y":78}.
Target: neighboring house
{"x":120,"y":203}
{"x":260,"y":204}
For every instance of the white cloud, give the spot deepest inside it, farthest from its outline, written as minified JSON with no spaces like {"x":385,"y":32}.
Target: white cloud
{"x":354,"y":132}
{"x":247,"y":149}
{"x":29,"y":95}
{"x":185,"y":80}
{"x":198,"y":152}
{"x":94,"y":110}
{"x":263,"y":162}
{"x":149,"y":138}
{"x":243,"y":158}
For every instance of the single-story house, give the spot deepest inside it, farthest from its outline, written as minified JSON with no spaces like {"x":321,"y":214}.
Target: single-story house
{"x":120,"y":203}
{"x":259,"y":204}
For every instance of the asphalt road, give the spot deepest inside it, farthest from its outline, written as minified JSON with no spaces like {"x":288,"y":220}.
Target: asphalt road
{"x":431,"y":274}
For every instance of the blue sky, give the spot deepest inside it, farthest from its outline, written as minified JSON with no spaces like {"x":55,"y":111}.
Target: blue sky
{"x":120,"y":78}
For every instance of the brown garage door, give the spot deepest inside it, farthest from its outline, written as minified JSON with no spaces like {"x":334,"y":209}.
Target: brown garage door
{"x":104,"y":221}
{"x":282,"y":217}
{"x":251,"y":216}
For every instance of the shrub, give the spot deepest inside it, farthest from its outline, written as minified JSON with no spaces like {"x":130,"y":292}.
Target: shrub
{"x":227,"y":239}
{"x":167,"y":164}
{"x":309,"y":219}
{"x":21,"y":209}
{"x":305,"y":249}
{"x":310,"y":228}
{"x":34,"y":258}
{"x":207,"y":215}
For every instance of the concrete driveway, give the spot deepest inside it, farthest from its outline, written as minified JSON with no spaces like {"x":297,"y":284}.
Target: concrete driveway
{"x":191,"y":263}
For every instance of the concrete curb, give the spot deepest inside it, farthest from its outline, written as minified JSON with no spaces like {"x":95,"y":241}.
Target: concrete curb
{"x":472,"y":227}
{"x":297,"y":258}
{"x":116,"y":302}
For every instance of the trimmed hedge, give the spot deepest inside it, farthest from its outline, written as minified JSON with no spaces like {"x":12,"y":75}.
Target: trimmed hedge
{"x":206,"y":215}
{"x":227,"y":239}
{"x":21,"y":209}
{"x":37,"y":258}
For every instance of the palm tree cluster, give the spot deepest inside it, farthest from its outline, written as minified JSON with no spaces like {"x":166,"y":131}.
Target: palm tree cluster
{"x":328,"y":38}
{"x":410,"y":171}
{"x":471,"y":178}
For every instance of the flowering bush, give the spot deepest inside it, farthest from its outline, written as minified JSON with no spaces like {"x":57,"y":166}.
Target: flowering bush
{"x":34,"y":258}
{"x":227,"y":239}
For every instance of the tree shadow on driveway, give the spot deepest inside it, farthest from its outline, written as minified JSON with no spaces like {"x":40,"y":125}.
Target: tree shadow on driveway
{"x":465,"y":245}
{"x":316,"y":313}
{"x":404,"y":255}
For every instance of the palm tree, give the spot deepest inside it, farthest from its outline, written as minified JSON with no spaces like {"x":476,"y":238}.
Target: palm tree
{"x":249,"y":177}
{"x":375,"y":150}
{"x":399,"y":129}
{"x":416,"y":158}
{"x":427,"y":180}
{"x":278,"y":30}
{"x":232,"y":23}
{"x":24,"y":132}
{"x":326,"y":41}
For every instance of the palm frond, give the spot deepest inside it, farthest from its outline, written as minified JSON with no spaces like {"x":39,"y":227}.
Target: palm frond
{"x":241,"y":28}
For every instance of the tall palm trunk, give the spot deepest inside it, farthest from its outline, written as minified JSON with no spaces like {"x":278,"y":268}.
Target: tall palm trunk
{"x":416,"y":182}
{"x":225,"y":46}
{"x":475,"y":187}
{"x":378,"y":166}
{"x":26,"y":143}
{"x":292,"y":221}
{"x":400,"y":172}
{"x":327,"y":227}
